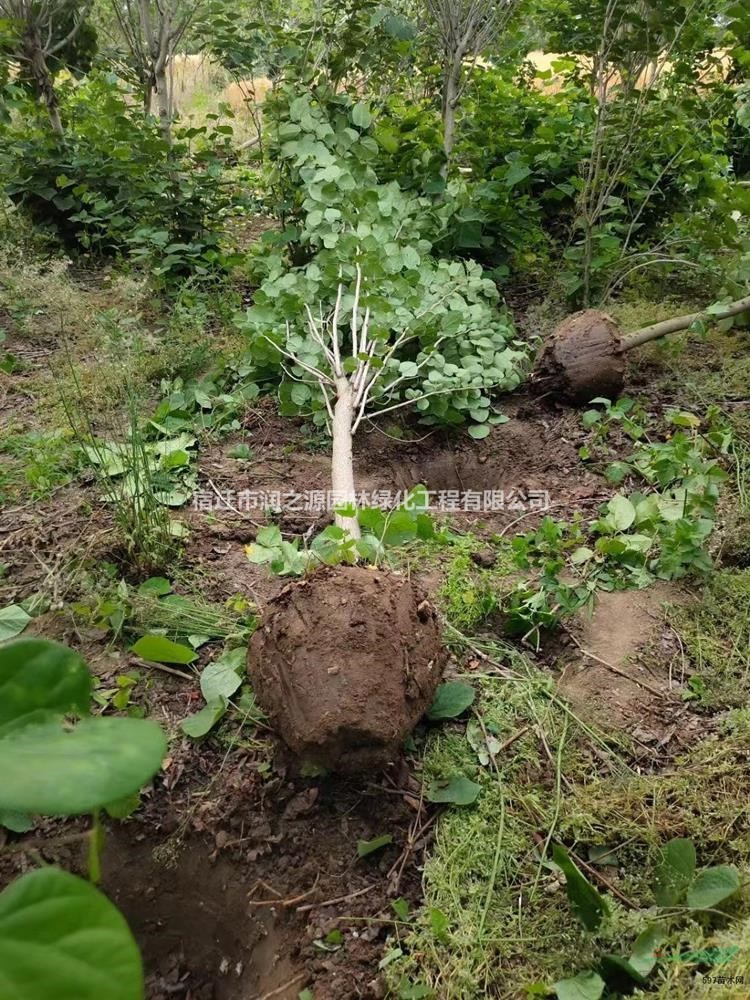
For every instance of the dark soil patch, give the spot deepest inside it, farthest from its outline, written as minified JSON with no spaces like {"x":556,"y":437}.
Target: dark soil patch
{"x":229,"y":876}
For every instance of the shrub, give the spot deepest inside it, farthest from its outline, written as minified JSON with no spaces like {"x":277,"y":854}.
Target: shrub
{"x":112,"y":184}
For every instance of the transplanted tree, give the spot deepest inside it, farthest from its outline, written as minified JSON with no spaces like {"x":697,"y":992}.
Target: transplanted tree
{"x":361,"y":374}
{"x":466,"y":29}
{"x":43,"y":36}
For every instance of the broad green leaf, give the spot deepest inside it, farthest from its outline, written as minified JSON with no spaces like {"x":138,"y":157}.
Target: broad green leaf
{"x":617,"y":471}
{"x":221,"y":679}
{"x":622,"y":512}
{"x":39,"y":678}
{"x":63,"y":772}
{"x":581,"y":555}
{"x":591,"y":417}
{"x":61,"y":938}
{"x":585,"y":986}
{"x":159,"y":649}
{"x":713,"y":886}
{"x":479,"y":431}
{"x":361,"y":115}
{"x":365,"y":847}
{"x":13,"y":620}
{"x":674,"y":871}
{"x":518,"y":171}
{"x":156,"y":586}
{"x":588,"y":905}
{"x":372,"y":519}
{"x":643,"y":958}
{"x":458,"y":791}
{"x":401,"y":527}
{"x":202,"y":722}
{"x":684,"y":419}
{"x":124,"y":807}
{"x":15,"y":821}
{"x":620,"y":973}
{"x":269,"y":537}
{"x":451,"y":699}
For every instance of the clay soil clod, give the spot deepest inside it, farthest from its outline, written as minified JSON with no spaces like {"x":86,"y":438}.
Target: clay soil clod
{"x":346,"y":664}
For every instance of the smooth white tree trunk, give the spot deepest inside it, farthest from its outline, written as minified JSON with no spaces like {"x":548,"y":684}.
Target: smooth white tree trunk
{"x":342,"y":462}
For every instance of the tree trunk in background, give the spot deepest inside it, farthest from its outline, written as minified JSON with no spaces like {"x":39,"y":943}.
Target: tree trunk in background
{"x":163,"y":103}
{"x":43,"y":79}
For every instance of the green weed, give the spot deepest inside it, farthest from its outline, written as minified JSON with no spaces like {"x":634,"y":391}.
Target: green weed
{"x":469,"y":595}
{"x":42,"y":463}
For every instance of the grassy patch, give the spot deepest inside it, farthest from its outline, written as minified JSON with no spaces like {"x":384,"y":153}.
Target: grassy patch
{"x":39,"y":464}
{"x":497,"y":920}
{"x":715,"y":633}
{"x":469,"y":595}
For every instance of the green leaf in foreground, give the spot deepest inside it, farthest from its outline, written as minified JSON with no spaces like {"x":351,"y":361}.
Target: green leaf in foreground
{"x":479,"y":431}
{"x":60,"y":937}
{"x":62,"y":772}
{"x":365,"y":847}
{"x":458,"y":791}
{"x":643,"y":958}
{"x":155,"y":586}
{"x":620,"y":972}
{"x":159,"y":649}
{"x":585,"y":986}
{"x":622,"y":512}
{"x":201,"y":723}
{"x":451,"y":699}
{"x":587,"y":904}
{"x":713,"y":886}
{"x":39,"y":679}
{"x":13,"y":620}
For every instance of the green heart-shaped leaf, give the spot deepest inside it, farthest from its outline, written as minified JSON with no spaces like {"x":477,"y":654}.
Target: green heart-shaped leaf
{"x":59,"y":772}
{"x":451,"y":699}
{"x":60,"y":937}
{"x":39,"y":678}
{"x":713,"y":886}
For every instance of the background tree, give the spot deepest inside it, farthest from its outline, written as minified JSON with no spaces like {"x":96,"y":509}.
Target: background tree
{"x":465,"y":29}
{"x":44,"y":36}
{"x":152,"y":31}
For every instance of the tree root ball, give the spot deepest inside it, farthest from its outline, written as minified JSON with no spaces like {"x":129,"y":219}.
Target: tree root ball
{"x":345,"y":665}
{"x":583,"y":359}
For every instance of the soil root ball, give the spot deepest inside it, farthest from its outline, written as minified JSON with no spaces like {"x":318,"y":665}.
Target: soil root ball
{"x":583,"y":359}
{"x":345,"y":665}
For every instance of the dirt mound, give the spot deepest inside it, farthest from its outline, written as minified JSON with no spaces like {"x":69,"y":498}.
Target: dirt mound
{"x":626,"y":672}
{"x":345,"y":664}
{"x":582,"y":360}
